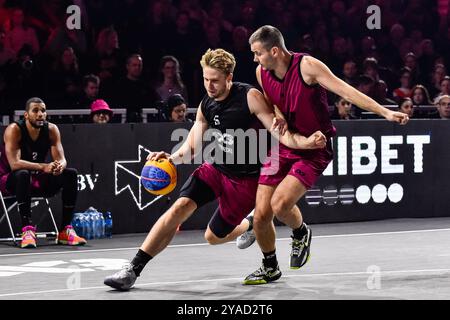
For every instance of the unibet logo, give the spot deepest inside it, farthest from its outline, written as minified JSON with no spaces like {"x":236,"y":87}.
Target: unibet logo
{"x":365,"y":162}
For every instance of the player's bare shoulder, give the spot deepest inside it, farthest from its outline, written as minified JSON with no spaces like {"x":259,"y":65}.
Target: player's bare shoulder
{"x":258,"y":74}
{"x":13,"y":127}
{"x":12,"y":131}
{"x":254,"y":95}
{"x":309,"y":60}
{"x":53,"y":131}
{"x":52,"y":126}
{"x":256,"y":101}
{"x":309,"y":67}
{"x":307,"y":64}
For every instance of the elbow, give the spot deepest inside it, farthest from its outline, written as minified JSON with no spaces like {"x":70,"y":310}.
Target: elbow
{"x":15,"y":166}
{"x":289,"y":142}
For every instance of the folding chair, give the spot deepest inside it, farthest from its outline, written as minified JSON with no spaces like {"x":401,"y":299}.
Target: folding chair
{"x":34,"y":202}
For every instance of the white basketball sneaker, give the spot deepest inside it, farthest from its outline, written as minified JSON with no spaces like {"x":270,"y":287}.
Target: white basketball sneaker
{"x":246,"y":239}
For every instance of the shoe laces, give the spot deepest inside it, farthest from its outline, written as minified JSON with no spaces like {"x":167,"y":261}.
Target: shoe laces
{"x":263,"y":269}
{"x":297,"y":245}
{"x":126,"y":268}
{"x":29,"y":234}
{"x":71,"y":232}
{"x":245,"y":235}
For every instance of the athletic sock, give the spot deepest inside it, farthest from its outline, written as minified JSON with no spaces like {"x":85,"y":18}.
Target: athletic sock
{"x":25,"y":213}
{"x":300,"y":232}
{"x":139,"y":261}
{"x":270,"y":259}
{"x":250,"y":220}
{"x":67,"y":216}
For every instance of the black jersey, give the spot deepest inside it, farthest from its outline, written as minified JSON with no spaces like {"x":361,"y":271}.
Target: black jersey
{"x":230,"y":120}
{"x":34,"y":151}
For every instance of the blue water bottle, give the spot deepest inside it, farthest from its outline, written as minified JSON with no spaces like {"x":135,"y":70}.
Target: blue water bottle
{"x":108,"y":224}
{"x":84,"y":225}
{"x":77,"y":223}
{"x":95,"y":225}
{"x":88,"y":225}
{"x":101,"y":225}
{"x":90,"y":215}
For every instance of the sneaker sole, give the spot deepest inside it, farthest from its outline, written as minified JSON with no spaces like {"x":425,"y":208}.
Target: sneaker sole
{"x":29,"y":246}
{"x":307,"y":259}
{"x":262,"y":281}
{"x":66,"y":243}
{"x":115,"y":285}
{"x":246,"y":246}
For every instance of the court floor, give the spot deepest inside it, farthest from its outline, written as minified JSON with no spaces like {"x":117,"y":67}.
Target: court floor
{"x":391,"y":259}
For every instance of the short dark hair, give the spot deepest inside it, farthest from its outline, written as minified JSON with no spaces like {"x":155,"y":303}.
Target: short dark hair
{"x":33,"y":100}
{"x":269,"y":37}
{"x":403,"y":100}
{"x":135,"y":55}
{"x":175,"y":100}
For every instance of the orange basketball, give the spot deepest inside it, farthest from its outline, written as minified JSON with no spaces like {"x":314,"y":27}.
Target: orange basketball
{"x":159,"y":177}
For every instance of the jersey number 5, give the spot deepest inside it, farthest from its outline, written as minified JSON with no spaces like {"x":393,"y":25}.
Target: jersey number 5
{"x":216,"y":120}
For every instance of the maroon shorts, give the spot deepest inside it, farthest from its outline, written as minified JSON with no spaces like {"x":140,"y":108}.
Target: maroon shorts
{"x":236,"y":196}
{"x":305,"y":165}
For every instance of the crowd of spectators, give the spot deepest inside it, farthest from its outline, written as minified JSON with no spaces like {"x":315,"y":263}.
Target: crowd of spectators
{"x":138,"y":53}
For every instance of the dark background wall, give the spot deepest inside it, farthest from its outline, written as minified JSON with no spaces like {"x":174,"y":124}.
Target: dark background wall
{"x":110,"y":157}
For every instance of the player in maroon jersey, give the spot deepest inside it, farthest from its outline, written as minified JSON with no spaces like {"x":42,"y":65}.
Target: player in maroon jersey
{"x":296,"y":84}
{"x":226,"y":107}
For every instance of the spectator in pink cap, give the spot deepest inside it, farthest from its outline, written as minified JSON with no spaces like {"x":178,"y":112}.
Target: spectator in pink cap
{"x":100,"y":112}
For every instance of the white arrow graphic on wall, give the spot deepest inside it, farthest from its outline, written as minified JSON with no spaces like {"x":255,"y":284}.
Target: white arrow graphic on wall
{"x":127,"y":176}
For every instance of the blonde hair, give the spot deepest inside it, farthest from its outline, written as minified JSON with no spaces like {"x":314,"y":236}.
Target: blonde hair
{"x":219,"y":59}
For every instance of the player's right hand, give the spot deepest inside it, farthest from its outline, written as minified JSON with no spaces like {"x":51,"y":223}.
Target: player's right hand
{"x":158,"y":155}
{"x":398,"y":117}
{"x":279,"y":126}
{"x":49,"y":167}
{"x":317,"y":140}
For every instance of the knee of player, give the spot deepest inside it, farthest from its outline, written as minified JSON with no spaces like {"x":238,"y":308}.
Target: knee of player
{"x":262,"y":216}
{"x":181,"y":204}
{"x":280,"y":206}
{"x":71,"y":172}
{"x":180,"y":208}
{"x":22,"y":174}
{"x":211,"y":238}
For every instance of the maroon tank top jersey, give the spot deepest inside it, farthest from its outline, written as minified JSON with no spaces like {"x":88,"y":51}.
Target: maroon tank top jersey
{"x":304,"y":106}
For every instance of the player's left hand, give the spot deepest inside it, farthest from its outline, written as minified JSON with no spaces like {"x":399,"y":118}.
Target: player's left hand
{"x":399,"y":117}
{"x":279,"y":125}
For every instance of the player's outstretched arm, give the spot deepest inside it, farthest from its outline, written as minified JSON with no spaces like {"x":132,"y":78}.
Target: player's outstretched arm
{"x":260,"y":107}
{"x":315,"y":71}
{"x":190,"y":147}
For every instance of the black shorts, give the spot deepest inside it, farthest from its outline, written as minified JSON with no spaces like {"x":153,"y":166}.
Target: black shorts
{"x":198,"y":191}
